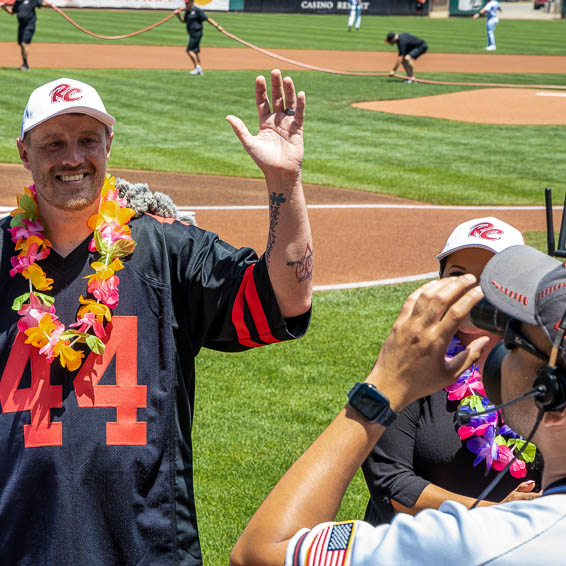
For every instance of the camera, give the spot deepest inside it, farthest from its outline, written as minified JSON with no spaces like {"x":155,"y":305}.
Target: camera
{"x":485,"y":316}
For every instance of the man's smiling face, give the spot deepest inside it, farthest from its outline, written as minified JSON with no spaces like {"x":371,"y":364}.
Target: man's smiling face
{"x":67,"y":157}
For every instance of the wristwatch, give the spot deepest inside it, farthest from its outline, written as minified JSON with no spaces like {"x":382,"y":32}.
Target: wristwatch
{"x":372,"y":404}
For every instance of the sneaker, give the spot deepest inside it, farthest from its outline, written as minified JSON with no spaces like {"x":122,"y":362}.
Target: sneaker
{"x":410,"y":81}
{"x":24,"y":68}
{"x":490,"y":48}
{"x":195,"y":71}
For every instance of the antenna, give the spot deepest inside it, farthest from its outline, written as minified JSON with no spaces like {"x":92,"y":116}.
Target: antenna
{"x":552,"y":250}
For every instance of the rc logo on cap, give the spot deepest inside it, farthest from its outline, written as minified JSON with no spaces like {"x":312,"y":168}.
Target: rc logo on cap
{"x":486,"y":230}
{"x":64,"y":93}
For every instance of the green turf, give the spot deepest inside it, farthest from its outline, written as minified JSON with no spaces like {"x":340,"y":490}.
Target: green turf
{"x":263,"y":429}
{"x":182,"y":128}
{"x":247,"y":432}
{"x":454,"y":35}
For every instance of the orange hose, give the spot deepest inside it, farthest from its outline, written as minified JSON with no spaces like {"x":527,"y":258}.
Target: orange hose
{"x":124,"y":36}
{"x":298,"y":63}
{"x":356,"y":74}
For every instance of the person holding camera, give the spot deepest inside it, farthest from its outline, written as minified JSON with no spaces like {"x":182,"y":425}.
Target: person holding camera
{"x":425,"y":458}
{"x":294,"y":525}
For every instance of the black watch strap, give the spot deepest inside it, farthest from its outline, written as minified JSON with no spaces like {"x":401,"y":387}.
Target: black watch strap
{"x":371,"y":404}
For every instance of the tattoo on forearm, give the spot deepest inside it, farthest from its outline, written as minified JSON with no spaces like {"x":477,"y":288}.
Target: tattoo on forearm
{"x":303,"y":265}
{"x":275,"y":202}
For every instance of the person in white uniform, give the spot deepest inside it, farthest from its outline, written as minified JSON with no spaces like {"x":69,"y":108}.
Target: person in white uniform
{"x":355,"y":17}
{"x":294,"y":525}
{"x":491,"y":11}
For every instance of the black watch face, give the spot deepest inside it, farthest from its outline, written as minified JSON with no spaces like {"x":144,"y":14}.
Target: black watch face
{"x":369,"y":405}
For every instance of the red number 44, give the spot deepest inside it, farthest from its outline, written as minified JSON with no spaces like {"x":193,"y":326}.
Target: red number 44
{"x":126,"y":395}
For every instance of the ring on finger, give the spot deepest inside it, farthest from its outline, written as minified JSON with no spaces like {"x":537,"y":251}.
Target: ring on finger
{"x":290,"y":112}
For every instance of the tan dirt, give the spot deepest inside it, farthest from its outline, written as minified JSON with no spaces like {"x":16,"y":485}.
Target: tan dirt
{"x":115,"y":56}
{"x":513,"y":106}
{"x":351,"y":245}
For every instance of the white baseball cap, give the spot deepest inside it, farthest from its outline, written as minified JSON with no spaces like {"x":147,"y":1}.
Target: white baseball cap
{"x":489,"y":233}
{"x":63,"y":96}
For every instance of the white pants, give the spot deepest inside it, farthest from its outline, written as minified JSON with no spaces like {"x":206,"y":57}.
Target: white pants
{"x":355,"y":16}
{"x":490,"y":30}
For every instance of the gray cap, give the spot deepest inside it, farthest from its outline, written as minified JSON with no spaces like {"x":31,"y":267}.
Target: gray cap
{"x":529,"y":286}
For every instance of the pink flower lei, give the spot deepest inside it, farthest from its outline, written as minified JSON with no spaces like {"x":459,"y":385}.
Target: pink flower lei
{"x":487,"y":436}
{"x":39,"y":321}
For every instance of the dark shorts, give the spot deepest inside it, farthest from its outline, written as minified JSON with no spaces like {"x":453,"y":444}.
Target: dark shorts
{"x":418,"y":51}
{"x":25,"y":32}
{"x":194,"y":42}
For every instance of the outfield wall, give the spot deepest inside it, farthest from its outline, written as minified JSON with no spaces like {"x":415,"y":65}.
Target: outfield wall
{"x":377,"y":7}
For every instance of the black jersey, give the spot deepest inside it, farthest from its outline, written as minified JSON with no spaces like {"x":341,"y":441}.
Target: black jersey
{"x":407,"y":42}
{"x":25,"y":9}
{"x":194,"y":19}
{"x":96,"y":465}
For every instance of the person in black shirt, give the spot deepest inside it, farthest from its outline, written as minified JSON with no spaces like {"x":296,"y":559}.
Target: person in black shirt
{"x":193,"y":16}
{"x":410,"y":48}
{"x":26,"y":24}
{"x":426,"y":457}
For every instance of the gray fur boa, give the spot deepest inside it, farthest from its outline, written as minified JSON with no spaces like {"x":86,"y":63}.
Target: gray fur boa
{"x":144,"y":201}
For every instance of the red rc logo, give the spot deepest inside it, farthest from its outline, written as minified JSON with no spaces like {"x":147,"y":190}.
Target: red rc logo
{"x":64,"y":93}
{"x":486,"y":231}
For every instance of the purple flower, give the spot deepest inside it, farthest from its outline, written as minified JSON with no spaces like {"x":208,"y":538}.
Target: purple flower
{"x":485,"y":447}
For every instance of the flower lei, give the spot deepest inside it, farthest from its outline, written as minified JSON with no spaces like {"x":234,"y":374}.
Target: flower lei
{"x":39,"y":322}
{"x":489,"y":438}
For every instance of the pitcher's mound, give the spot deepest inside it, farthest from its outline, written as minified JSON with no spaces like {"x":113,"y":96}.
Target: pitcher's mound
{"x":487,"y":106}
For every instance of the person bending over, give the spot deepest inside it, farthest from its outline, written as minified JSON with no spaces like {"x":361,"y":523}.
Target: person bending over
{"x":410,"y":48}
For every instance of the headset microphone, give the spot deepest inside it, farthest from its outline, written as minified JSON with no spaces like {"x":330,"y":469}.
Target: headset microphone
{"x":464,"y":417}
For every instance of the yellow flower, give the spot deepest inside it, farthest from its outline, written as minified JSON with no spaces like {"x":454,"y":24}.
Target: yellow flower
{"x":25,"y":244}
{"x":103,"y":271}
{"x":100,"y":310}
{"x":38,"y":335}
{"x":38,"y":278}
{"x":112,"y":213}
{"x":68,"y":357}
{"x":20,"y":210}
{"x":109,"y":184}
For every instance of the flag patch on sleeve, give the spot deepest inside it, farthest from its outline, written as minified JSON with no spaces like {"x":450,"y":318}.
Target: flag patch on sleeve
{"x":331,"y":546}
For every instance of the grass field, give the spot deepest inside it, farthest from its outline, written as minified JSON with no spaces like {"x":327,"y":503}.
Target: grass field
{"x":456,"y":35}
{"x":440,"y":161}
{"x":256,"y":412}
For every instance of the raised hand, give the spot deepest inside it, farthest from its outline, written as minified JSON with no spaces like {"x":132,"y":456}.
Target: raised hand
{"x":277,"y":149}
{"x":412,"y":361}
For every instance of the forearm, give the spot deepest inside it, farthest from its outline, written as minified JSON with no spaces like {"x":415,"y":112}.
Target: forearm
{"x":432,"y":497}
{"x":398,"y":61}
{"x":289,"y":249}
{"x":309,"y":493}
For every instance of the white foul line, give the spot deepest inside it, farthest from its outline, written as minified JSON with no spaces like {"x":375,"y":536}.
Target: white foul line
{"x":562,"y":94}
{"x":5,"y":210}
{"x":371,"y":206}
{"x":378,"y":282}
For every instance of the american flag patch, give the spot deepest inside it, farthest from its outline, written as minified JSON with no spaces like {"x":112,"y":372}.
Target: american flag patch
{"x":331,"y":545}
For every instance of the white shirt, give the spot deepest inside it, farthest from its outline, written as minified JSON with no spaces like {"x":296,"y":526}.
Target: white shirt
{"x":491,"y":8}
{"x":517,"y":533}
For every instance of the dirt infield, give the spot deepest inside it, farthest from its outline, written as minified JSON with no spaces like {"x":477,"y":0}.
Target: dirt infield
{"x":352,"y":245}
{"x":487,"y":106}
{"x":83,"y":56}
